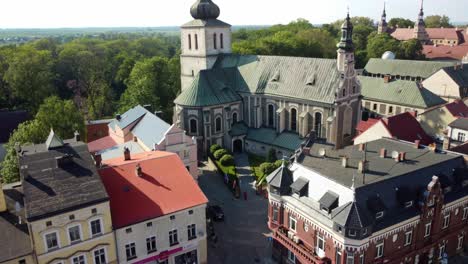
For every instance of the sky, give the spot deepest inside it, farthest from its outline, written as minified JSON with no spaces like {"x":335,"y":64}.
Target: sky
{"x":155,"y":13}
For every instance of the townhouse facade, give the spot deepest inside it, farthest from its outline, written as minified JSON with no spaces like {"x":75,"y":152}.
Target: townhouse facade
{"x":375,"y":203}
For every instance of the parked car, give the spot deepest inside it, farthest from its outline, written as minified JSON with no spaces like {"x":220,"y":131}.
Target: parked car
{"x":215,"y":212}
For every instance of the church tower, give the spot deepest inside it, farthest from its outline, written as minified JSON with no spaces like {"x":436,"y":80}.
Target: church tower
{"x":420,"y":32}
{"x":383,"y":26}
{"x":348,"y":94}
{"x":203,"y":40}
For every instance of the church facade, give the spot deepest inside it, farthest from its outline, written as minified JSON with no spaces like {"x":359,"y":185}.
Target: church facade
{"x":255,"y":103}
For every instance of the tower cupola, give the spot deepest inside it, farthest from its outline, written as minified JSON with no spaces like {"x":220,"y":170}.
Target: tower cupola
{"x":204,"y":10}
{"x":346,"y":41}
{"x":382,"y":28}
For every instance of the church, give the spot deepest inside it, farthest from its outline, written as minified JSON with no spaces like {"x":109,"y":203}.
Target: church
{"x":257,"y":103}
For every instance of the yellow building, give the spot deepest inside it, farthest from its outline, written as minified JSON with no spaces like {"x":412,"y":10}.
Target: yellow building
{"x":66,"y":204}
{"x":435,"y":121}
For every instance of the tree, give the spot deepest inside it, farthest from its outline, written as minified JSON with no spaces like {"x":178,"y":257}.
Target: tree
{"x":151,"y":82}
{"x":61,"y":115}
{"x":411,"y":50}
{"x":378,"y":44}
{"x":30,"y":77}
{"x":437,"y":21}
{"x":400,"y":22}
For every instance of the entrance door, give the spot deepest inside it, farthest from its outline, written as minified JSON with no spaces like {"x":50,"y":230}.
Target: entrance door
{"x":238,"y":146}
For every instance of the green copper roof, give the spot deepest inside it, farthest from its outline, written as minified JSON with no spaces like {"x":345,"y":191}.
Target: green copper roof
{"x":301,"y":78}
{"x":412,"y":68}
{"x":238,"y":129}
{"x":286,"y":140}
{"x":399,"y":92}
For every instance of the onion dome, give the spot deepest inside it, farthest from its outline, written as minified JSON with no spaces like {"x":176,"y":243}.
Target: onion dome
{"x":204,"y":9}
{"x":346,"y":41}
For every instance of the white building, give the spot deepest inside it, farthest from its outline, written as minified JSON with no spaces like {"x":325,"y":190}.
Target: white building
{"x":158,"y":210}
{"x":458,"y":131}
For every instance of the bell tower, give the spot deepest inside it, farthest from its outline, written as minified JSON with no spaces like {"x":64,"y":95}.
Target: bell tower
{"x":420,"y":32}
{"x":348,"y":94}
{"x":203,"y":40}
{"x":383,"y":26}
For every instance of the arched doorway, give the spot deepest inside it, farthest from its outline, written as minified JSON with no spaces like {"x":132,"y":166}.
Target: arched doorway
{"x":237,"y":146}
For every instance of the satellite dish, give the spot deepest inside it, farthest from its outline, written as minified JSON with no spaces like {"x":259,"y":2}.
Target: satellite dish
{"x":322,"y":152}
{"x":395,"y":154}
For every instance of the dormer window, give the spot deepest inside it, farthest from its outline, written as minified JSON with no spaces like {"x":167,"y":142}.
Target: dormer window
{"x":408,"y":204}
{"x":352,"y":233}
{"x":276,"y":77}
{"x":379,"y":215}
{"x":311,"y":81}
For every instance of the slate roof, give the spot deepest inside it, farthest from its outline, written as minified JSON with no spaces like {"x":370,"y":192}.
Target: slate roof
{"x":15,"y":240}
{"x":9,"y":122}
{"x":49,"y":189}
{"x":399,"y":92}
{"x":281,"y":178}
{"x":151,"y":130}
{"x":461,"y":123}
{"x":459,"y":75}
{"x":411,"y":68}
{"x":295,"y":77}
{"x":164,"y":188}
{"x":128,"y":117}
{"x":118,"y":150}
{"x":351,"y":215}
{"x":286,"y":140}
{"x":299,"y":184}
{"x":328,"y":199}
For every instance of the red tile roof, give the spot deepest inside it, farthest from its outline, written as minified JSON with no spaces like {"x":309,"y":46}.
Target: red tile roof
{"x":403,"y":33}
{"x":457,"y":108}
{"x":434,"y":33}
{"x":165,"y":187}
{"x":364,"y":125}
{"x":406,"y":127}
{"x":102,"y":143}
{"x":446,"y":52}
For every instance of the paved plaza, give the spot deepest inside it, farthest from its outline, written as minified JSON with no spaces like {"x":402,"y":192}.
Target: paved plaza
{"x":243,"y":236}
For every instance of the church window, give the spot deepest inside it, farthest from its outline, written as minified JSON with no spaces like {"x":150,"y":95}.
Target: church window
{"x":293,"y":119}
{"x":221,"y":38}
{"x":318,"y":124}
{"x":196,"y":41}
{"x":218,"y":124}
{"x":354,"y":89}
{"x":189,"y":41}
{"x":215,"y":41}
{"x":348,"y":121}
{"x":234,"y":118}
{"x":193,"y":73}
{"x":193,"y":126}
{"x":344,"y":92}
{"x":271,"y":115}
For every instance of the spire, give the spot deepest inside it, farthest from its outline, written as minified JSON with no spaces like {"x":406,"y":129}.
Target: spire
{"x":384,"y":14}
{"x":346,"y":41}
{"x":204,"y":10}
{"x":421,"y":14}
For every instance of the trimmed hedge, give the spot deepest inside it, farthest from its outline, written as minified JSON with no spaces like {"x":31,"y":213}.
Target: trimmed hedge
{"x":267,"y":168}
{"x":227,"y":160}
{"x":220,"y":153}
{"x":214,"y":148}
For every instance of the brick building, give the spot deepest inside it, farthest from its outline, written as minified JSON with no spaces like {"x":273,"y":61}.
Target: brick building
{"x":384,"y":202}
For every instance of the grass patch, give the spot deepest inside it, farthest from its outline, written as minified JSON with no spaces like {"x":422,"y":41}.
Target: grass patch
{"x":255,"y":162}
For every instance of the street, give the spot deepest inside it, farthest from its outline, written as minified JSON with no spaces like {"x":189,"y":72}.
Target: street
{"x":243,"y":236}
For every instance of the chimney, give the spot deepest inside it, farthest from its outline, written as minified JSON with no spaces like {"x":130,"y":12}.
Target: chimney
{"x":3,"y":206}
{"x":386,"y":78}
{"x":417,"y":143}
{"x":383,"y":153}
{"x":362,"y":167}
{"x":77,"y":136}
{"x":362,"y":147}
{"x":127,"y":154}
{"x":138,"y":170}
{"x":135,"y":139}
{"x":396,"y":156}
{"x":447,"y":143}
{"x":118,"y":117}
{"x":97,"y":160}
{"x":344,"y":161}
{"x":402,"y":156}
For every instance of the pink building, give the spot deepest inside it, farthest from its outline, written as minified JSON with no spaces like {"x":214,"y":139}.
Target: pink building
{"x":139,"y":130}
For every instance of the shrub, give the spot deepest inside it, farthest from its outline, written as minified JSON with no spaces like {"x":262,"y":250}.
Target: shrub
{"x":227,"y":160}
{"x":214,"y":148}
{"x":220,"y":153}
{"x":267,"y":168}
{"x":271,"y":155}
{"x":278,"y":163}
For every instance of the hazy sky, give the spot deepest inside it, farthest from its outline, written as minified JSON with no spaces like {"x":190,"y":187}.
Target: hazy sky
{"x":104,"y":13}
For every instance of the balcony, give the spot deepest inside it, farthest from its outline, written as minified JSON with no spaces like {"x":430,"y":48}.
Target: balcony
{"x":296,"y":246}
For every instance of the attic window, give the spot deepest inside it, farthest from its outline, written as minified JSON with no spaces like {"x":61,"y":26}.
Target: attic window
{"x":312,"y":80}
{"x":408,"y":204}
{"x":352,"y":233}
{"x":276,"y":77}
{"x":379,"y":215}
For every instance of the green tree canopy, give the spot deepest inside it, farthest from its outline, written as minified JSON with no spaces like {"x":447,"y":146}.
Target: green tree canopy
{"x":400,"y":22}
{"x":378,"y":44}
{"x":61,"y":115}
{"x":437,"y":21}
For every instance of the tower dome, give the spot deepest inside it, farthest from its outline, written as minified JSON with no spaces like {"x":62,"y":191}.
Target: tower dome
{"x":204,"y":9}
{"x":388,"y":55}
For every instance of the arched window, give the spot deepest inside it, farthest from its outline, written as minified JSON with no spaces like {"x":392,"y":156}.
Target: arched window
{"x":318,"y":124}
{"x":344,"y":92}
{"x":348,"y":122}
{"x":293,"y":119}
{"x":218,"y":124}
{"x":193,"y":126}
{"x":271,"y":115}
{"x":215,"y":41}
{"x":234,"y":118}
{"x":196,"y":41}
{"x":221,"y":38}
{"x":189,"y":41}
